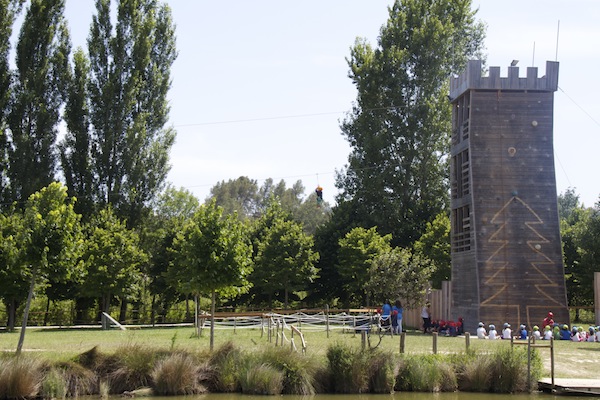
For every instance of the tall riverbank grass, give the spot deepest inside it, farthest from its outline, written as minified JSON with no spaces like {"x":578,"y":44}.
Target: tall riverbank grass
{"x":267,"y":370}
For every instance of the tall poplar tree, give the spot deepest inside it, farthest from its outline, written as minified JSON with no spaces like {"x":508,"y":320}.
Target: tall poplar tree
{"x":130,"y":67}
{"x":42,"y":70}
{"x":75,"y":149}
{"x":8,"y":11}
{"x":398,"y":129}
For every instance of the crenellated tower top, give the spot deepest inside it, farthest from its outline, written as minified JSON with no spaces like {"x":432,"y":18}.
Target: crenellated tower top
{"x":471,"y":78}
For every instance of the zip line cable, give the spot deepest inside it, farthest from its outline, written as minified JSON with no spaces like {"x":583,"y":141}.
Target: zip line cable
{"x":237,"y":121}
{"x":316,"y":115}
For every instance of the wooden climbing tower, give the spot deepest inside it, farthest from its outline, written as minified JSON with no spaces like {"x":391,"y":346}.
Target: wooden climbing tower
{"x":506,"y":246}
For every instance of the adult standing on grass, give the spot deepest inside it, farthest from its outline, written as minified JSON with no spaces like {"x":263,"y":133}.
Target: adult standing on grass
{"x":397,"y":311}
{"x":426,"y":315}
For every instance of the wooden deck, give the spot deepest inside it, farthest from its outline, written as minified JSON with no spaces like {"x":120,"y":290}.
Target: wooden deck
{"x":582,"y":387}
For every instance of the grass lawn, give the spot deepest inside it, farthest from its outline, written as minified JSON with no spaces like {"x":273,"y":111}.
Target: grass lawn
{"x":572,"y":360}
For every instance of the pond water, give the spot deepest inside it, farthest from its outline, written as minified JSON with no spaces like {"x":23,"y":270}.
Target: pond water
{"x":395,"y":396}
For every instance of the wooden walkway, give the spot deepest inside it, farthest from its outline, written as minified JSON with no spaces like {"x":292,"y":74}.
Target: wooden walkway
{"x":582,"y":387}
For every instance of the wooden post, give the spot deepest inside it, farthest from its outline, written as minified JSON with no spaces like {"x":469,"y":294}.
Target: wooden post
{"x":234,"y":324}
{"x":292,"y":340}
{"x":552,"y":361}
{"x":435,"y":337}
{"x":402,"y":342}
{"x":363,"y":339}
{"x":467,"y":340}
{"x":270,"y":330}
{"x":529,"y":363}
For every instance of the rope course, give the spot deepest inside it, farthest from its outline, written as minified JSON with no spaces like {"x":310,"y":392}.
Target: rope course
{"x":280,"y":326}
{"x":312,"y":322}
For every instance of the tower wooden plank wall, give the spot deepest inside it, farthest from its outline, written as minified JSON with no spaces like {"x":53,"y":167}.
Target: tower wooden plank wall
{"x":506,"y":247}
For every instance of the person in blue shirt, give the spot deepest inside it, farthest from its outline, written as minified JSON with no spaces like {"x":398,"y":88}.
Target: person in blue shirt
{"x":565,"y":333}
{"x":523,"y":332}
{"x":386,"y":314}
{"x":397,"y":311}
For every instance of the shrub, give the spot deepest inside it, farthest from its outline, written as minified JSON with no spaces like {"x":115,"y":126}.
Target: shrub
{"x":509,"y":370}
{"x":224,"y":368}
{"x":381,"y":373}
{"x":447,"y":379}
{"x":134,"y":365}
{"x":178,"y":374}
{"x":475,"y":375}
{"x":262,"y":379}
{"x":348,"y":369}
{"x":20,"y":377}
{"x":425,"y":373}
{"x":53,"y":385}
{"x":298,"y":370}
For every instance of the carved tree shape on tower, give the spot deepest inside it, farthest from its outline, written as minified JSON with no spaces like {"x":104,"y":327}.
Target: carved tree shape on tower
{"x":515,"y":275}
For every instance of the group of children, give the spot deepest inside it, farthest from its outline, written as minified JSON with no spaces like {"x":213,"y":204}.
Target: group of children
{"x":448,"y":328}
{"x":550,"y":330}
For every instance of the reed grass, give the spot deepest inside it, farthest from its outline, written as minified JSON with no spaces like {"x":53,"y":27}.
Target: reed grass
{"x":178,"y":374}
{"x":382,"y":372}
{"x":298,"y":370}
{"x":263,"y":368}
{"x":20,"y":377}
{"x":475,"y":375}
{"x":54,"y":385}
{"x":262,"y":379}
{"x":224,"y":369}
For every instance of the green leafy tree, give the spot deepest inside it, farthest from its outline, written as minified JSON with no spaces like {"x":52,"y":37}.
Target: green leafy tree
{"x":238,"y":196}
{"x":38,"y":93}
{"x":579,"y":230}
{"x":434,"y":245}
{"x":580,"y":282}
{"x":400,"y":274}
{"x":174,"y":207}
{"x":285,"y":259}
{"x":327,"y":288}
{"x":75,"y":148}
{"x":358,"y":249}
{"x":130,"y":75}
{"x":244,"y":197}
{"x":574,"y":219}
{"x":9,"y":9}
{"x":13,"y":280}
{"x":52,"y":242}
{"x":113,"y":258}
{"x":398,"y":129}
{"x":213,"y":256}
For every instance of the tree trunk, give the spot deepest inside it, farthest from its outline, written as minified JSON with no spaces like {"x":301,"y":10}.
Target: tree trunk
{"x":187,"y":308}
{"x":11,"y":308}
{"x":153,"y":310}
{"x":123,"y":310}
{"x":26,"y":312}
{"x":47,"y":311}
{"x":212,"y":319}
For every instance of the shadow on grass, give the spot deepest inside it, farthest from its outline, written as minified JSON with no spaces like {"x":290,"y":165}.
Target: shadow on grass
{"x":589,"y":349}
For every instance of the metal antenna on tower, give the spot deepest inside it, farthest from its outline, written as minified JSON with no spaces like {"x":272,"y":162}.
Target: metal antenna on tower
{"x":557,"y":33}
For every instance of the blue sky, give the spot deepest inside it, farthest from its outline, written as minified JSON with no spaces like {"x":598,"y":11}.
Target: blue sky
{"x":259,"y":87}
